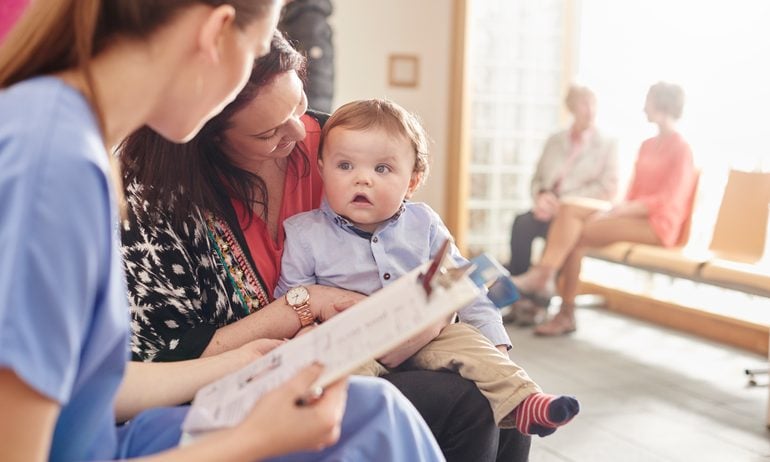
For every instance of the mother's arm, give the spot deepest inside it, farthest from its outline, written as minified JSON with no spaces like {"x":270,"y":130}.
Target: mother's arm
{"x":180,"y":300}
{"x":278,"y":320}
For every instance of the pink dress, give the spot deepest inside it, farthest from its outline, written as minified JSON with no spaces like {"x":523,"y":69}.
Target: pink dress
{"x":664,"y":180}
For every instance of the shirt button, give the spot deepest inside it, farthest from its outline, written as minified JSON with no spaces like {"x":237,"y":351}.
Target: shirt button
{"x":374,"y":239}
{"x":386,"y":276}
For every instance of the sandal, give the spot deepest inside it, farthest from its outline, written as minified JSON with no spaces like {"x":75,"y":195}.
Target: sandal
{"x":558,"y":325}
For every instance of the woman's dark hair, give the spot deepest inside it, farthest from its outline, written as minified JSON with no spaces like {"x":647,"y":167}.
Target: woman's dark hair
{"x":197,"y":175}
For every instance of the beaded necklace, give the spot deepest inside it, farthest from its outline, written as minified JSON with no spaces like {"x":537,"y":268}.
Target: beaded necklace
{"x":239,"y":272}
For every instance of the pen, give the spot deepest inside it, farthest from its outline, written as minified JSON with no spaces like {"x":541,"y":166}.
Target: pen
{"x":313,"y":395}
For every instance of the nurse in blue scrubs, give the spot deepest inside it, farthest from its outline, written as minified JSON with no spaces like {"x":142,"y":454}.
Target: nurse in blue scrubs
{"x":77,"y":76}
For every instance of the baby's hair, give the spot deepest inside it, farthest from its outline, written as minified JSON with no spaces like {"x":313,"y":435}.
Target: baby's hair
{"x":385,"y":114}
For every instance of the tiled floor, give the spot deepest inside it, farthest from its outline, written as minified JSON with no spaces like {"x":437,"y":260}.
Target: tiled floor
{"x":646,"y":394}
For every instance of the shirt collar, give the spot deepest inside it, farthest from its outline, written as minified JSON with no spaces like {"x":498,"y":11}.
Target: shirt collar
{"x":344,"y":223}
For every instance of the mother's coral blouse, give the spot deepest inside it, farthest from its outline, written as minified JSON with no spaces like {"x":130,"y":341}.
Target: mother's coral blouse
{"x":664,"y":180}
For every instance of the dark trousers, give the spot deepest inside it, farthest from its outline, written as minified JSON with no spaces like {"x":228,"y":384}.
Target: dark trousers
{"x":524,"y":230}
{"x":460,"y":418}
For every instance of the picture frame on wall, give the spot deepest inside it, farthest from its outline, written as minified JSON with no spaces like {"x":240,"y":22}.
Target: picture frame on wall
{"x":403,"y":70}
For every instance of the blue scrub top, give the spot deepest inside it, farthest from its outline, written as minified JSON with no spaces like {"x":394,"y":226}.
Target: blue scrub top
{"x":63,"y":314}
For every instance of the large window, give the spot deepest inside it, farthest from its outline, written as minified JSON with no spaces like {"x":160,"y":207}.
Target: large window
{"x":525,"y":53}
{"x":716,"y":50}
{"x":520,"y":52}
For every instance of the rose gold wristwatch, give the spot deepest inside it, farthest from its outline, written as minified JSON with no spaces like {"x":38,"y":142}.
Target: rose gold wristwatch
{"x":299,"y":299}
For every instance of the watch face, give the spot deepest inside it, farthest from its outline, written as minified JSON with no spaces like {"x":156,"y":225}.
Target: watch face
{"x":297,"y":295}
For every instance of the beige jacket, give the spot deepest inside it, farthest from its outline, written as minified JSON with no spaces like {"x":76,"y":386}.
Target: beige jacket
{"x":594,"y":172}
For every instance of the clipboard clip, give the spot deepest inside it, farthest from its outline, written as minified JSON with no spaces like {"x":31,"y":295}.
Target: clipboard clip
{"x":438,"y":272}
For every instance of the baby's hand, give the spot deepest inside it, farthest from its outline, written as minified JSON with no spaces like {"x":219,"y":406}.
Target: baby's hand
{"x":330,"y":311}
{"x":344,"y":305}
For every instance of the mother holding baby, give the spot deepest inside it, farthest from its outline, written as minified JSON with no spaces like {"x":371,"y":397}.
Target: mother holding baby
{"x":204,"y":238}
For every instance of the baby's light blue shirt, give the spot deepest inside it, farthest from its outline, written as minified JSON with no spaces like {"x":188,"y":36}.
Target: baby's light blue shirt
{"x":324,"y":248}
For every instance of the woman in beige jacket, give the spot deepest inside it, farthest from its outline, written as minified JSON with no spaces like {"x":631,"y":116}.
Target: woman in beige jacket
{"x":578,"y":162}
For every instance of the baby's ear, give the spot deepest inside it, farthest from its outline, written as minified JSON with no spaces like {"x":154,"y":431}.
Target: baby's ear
{"x":414,"y":183}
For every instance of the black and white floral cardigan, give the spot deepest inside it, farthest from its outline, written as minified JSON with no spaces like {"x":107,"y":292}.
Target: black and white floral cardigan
{"x":184,"y":282}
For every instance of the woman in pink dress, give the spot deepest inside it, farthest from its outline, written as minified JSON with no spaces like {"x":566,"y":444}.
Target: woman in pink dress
{"x":654,"y":211}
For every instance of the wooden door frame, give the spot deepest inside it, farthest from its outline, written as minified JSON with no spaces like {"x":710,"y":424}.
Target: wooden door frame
{"x":458,"y":139}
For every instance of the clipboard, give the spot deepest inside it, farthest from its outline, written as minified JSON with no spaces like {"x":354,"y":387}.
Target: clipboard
{"x":364,"y":331}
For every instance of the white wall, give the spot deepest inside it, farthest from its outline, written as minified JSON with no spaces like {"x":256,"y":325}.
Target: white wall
{"x":366,"y":32}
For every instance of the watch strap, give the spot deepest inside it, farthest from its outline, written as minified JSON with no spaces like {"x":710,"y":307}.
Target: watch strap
{"x":304,"y":314}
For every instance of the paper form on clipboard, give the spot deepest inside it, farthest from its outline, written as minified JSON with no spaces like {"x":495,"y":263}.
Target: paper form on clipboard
{"x":365,"y":331}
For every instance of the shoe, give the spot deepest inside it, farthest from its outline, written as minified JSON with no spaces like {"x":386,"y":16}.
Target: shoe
{"x":520,"y":312}
{"x":510,"y":316}
{"x":536,"y":284}
{"x":529,"y":312}
{"x":556,"y":326}
{"x":539,"y":299}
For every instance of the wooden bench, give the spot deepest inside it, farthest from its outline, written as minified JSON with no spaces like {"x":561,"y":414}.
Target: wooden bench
{"x":735,"y":258}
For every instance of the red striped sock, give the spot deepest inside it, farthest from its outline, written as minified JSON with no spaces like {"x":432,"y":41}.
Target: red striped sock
{"x":540,"y":414}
